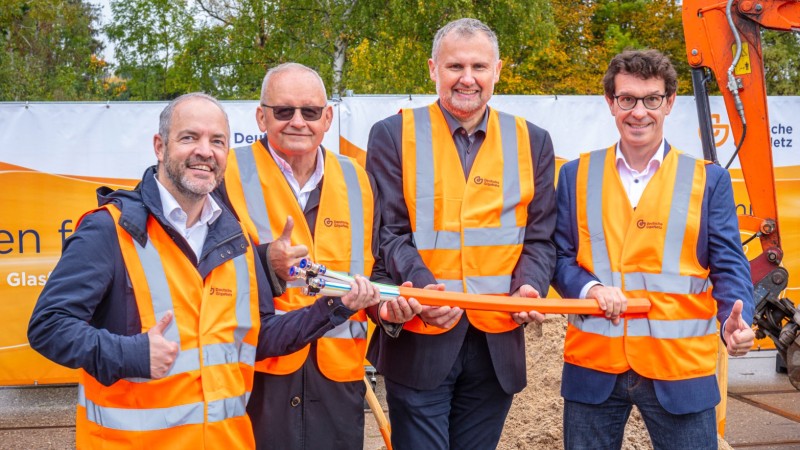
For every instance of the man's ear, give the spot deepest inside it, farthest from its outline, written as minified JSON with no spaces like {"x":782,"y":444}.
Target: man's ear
{"x":610,"y":101}
{"x":497,"y":68}
{"x":261,"y":118}
{"x":158,"y":147}
{"x":670,"y":101}
{"x":432,"y":69}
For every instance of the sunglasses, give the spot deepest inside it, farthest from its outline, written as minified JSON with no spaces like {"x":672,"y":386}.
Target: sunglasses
{"x":309,"y":113}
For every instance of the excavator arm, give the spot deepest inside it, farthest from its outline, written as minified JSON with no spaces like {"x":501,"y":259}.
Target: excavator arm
{"x":723,"y":39}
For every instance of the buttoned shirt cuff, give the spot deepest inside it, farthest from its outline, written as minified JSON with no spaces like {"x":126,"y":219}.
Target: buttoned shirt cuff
{"x":588,"y":286}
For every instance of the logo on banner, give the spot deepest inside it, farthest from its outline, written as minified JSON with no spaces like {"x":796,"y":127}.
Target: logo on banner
{"x":721,"y":130}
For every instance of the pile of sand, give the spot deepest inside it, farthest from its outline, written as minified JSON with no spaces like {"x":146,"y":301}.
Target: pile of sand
{"x":536,"y":415}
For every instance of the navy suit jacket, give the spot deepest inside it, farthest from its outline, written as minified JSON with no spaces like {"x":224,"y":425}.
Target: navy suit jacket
{"x":719,"y":248}
{"x":423,"y":361}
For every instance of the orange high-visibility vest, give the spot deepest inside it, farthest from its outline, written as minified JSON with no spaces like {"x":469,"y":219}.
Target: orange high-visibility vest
{"x":647,"y":252}
{"x":468,"y":232}
{"x":201,"y":402}
{"x":342,"y":242}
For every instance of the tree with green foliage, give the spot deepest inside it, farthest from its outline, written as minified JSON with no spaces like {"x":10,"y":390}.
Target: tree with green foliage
{"x":48,"y":51}
{"x":149,"y":35}
{"x":395,"y":53}
{"x":168,"y":47}
{"x":591,"y":33}
{"x":781,"y":62}
{"x":355,"y":45}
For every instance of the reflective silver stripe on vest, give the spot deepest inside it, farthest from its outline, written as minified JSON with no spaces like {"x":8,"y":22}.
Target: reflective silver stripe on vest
{"x":244,"y":322}
{"x":476,"y":237}
{"x":490,"y":284}
{"x":425,"y":237}
{"x":354,"y":200}
{"x":597,"y":325}
{"x":226,"y":408}
{"x":666,"y":283}
{"x":511,"y":186}
{"x":140,"y":419}
{"x":594,"y":219}
{"x":678,"y":215}
{"x":153,"y":419}
{"x":672,"y":329}
{"x":157,"y":284}
{"x":351,"y":329}
{"x":253,"y":196}
{"x":451,"y":285}
{"x":228,"y":353}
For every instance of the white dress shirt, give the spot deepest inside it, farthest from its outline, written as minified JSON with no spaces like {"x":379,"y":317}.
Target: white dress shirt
{"x":634,"y":181}
{"x":302,"y":193}
{"x":176,"y":216}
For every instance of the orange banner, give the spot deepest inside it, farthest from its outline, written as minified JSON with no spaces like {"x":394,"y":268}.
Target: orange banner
{"x":35,"y":224}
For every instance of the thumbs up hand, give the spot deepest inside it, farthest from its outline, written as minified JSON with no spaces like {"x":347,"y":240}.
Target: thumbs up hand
{"x":282,"y":254}
{"x":737,"y":333}
{"x":162,"y":351}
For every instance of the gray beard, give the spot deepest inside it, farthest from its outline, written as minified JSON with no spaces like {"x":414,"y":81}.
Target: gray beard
{"x":192,"y":191}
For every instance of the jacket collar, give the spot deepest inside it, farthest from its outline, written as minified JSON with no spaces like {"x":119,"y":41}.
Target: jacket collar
{"x":136,"y":205}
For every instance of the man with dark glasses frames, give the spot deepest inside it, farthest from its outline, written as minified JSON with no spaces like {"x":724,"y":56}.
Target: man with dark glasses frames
{"x":643,"y":219}
{"x":307,"y":202}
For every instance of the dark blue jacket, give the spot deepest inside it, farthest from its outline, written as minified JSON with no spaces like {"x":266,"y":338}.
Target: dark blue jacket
{"x":719,"y":248}
{"x":423,"y":361}
{"x":86,"y":316}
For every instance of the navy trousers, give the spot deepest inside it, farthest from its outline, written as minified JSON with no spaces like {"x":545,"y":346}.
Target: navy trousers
{"x":467,"y":411}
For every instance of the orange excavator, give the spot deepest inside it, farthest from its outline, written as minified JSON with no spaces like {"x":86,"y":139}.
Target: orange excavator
{"x":723,"y":40}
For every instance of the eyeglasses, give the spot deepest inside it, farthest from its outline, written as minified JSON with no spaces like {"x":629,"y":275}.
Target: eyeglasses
{"x":628,"y":102}
{"x":309,"y":113}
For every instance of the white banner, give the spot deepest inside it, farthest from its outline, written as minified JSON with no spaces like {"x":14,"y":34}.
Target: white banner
{"x":115,"y":139}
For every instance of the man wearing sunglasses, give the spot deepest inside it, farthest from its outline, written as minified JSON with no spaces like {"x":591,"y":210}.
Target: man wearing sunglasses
{"x":468,"y":203}
{"x":643,"y":219}
{"x":307,"y":202}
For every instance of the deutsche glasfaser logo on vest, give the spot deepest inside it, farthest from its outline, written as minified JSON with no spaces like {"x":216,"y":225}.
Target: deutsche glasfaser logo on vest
{"x":642,"y":224}
{"x":222,"y":292}
{"x":486,"y":181}
{"x":336,"y":223}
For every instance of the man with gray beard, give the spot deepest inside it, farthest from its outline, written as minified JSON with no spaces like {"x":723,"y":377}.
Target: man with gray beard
{"x":160,"y":300}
